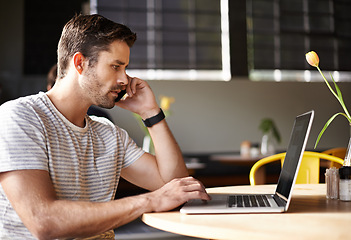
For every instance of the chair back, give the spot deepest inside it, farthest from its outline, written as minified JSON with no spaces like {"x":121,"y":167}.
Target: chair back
{"x":309,"y":168}
{"x":337,"y":152}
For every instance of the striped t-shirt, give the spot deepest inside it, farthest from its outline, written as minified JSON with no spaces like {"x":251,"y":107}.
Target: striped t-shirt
{"x":83,"y":163}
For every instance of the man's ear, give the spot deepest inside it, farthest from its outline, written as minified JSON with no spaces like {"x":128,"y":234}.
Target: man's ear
{"x":78,"y":61}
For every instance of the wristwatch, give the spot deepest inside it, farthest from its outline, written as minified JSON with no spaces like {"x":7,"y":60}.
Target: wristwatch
{"x":149,"y":122}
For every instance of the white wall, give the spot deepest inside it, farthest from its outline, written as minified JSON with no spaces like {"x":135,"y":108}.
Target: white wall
{"x":218,"y":116}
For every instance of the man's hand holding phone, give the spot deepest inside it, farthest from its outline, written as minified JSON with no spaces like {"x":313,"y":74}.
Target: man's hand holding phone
{"x":140,"y":98}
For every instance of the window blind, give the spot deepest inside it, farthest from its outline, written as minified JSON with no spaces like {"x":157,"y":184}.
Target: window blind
{"x":280,"y":32}
{"x":177,"y":39}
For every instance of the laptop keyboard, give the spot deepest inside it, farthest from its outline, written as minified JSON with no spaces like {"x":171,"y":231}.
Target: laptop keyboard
{"x":248,"y":201}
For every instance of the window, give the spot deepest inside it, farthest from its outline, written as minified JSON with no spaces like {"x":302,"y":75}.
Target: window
{"x":280,"y":32}
{"x":177,"y":39}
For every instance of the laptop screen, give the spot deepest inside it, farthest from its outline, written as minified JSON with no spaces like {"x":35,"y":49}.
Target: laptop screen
{"x":294,"y":152}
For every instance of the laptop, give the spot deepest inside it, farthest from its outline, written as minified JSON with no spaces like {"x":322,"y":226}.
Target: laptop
{"x":263,"y":203}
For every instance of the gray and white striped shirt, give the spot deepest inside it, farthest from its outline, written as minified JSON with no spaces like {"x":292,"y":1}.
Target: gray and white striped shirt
{"x":83,"y":163}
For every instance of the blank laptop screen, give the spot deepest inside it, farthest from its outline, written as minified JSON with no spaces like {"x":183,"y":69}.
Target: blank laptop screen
{"x":292,"y":154}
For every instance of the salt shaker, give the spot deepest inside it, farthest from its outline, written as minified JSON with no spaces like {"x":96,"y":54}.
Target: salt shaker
{"x":332,"y":182}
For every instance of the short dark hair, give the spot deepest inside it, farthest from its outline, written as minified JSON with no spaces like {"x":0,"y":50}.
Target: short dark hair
{"x":89,"y":34}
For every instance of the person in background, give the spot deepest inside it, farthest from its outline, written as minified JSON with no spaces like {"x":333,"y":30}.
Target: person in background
{"x":60,"y":168}
{"x":51,"y":77}
{"x":1,"y":94}
{"x":92,"y":111}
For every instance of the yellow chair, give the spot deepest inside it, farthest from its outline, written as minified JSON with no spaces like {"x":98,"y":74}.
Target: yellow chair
{"x":337,"y":152}
{"x":309,"y":168}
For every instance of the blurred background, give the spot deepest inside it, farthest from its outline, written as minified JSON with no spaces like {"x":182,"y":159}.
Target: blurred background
{"x":208,"y":116}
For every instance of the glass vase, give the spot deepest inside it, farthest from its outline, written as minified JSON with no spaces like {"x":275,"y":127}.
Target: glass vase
{"x":347,"y":160}
{"x":148,"y":145}
{"x":345,"y":175}
{"x":267,"y":145}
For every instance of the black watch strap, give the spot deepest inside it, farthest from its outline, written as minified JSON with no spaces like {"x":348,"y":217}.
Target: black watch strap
{"x":149,"y":122}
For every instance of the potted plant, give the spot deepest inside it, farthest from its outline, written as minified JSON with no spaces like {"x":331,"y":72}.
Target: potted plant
{"x":270,"y":136}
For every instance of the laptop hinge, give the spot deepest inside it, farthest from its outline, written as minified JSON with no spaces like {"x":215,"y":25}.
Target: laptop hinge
{"x":281,"y":200}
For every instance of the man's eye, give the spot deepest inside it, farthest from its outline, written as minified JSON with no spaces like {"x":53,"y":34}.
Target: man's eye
{"x":116,"y":67}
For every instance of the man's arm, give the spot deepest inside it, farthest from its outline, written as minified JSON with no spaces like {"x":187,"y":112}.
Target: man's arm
{"x":152,"y":172}
{"x":167,"y":152}
{"x":168,"y":162}
{"x":32,"y":195}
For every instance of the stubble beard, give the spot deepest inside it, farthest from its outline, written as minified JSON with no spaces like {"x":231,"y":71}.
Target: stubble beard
{"x":93,"y":88}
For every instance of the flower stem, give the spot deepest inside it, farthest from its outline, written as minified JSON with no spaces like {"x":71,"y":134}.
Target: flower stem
{"x":326,"y":81}
{"x":337,"y":97}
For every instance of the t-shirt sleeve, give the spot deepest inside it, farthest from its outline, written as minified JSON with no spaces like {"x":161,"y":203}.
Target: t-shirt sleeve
{"x":132,"y":151}
{"x":22,"y":138}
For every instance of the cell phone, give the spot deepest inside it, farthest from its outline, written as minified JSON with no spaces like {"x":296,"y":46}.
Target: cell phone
{"x":120,"y":95}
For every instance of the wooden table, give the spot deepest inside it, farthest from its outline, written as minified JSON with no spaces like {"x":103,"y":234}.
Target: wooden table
{"x":310,"y":216}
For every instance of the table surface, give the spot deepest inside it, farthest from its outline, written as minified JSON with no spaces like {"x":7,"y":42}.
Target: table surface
{"x":310,"y":216}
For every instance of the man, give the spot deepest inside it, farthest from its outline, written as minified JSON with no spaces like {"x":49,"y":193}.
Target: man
{"x":60,"y":168}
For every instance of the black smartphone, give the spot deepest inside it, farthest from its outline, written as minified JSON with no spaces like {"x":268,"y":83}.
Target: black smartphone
{"x":120,"y":95}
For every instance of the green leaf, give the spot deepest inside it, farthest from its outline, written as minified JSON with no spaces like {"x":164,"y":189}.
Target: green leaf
{"x":326,"y":81}
{"x":338,"y":91}
{"x":326,"y":126}
{"x":340,"y":98}
{"x":268,"y":125}
{"x":141,"y":124}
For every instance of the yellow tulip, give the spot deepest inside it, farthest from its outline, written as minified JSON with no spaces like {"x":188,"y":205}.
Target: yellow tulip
{"x":166,"y":102}
{"x":312,"y":59}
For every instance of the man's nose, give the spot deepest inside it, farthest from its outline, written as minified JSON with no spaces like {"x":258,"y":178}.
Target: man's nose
{"x":123,"y":79}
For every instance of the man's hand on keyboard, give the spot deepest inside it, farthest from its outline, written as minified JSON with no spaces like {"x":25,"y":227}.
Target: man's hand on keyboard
{"x":176,"y":192}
